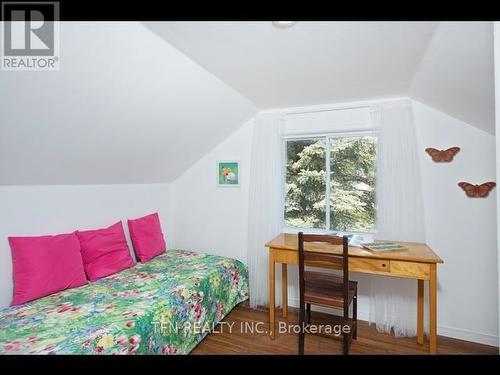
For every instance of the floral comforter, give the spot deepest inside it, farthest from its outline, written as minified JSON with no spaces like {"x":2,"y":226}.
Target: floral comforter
{"x":165,"y":306}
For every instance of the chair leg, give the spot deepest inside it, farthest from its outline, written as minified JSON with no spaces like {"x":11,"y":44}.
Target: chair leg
{"x":308,"y":313}
{"x":355,"y":317}
{"x":345,"y":340}
{"x":301,"y":332}
{"x":301,"y":342}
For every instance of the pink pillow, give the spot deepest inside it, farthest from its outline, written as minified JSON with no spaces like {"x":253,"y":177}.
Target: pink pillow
{"x":45,"y":265}
{"x":147,"y":237}
{"x":104,"y":251}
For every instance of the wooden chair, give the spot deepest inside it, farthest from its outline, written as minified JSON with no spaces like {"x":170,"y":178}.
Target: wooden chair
{"x":322,"y":289}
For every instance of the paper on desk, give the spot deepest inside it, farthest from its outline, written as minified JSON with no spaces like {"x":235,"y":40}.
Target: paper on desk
{"x":356,"y":240}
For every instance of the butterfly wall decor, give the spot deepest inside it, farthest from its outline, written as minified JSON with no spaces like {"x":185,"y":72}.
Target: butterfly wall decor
{"x":440,"y":156}
{"x":475,"y":191}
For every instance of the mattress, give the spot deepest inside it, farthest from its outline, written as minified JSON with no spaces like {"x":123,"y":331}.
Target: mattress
{"x":165,"y":306}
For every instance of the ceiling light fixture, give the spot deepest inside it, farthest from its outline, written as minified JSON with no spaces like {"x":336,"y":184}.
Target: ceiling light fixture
{"x":284,"y":24}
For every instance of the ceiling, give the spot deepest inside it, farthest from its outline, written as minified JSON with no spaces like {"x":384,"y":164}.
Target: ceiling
{"x":142,"y":102}
{"x":445,"y":65}
{"x":456,"y":74}
{"x":125,"y":107}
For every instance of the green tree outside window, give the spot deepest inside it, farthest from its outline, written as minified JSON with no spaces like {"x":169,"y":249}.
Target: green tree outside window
{"x":352,"y":183}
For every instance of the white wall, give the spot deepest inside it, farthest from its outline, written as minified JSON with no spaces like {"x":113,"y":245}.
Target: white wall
{"x":497,"y":118}
{"x":40,"y":210}
{"x":214,"y":219}
{"x":455,"y":224}
{"x":198,"y":215}
{"x":461,"y":230}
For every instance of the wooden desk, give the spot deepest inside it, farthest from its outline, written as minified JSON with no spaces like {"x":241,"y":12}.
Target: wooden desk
{"x":419,"y":262}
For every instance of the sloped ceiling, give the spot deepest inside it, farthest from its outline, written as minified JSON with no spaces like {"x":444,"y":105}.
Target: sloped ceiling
{"x":456,"y":74}
{"x":309,"y":63}
{"x":140,"y":103}
{"x":126,"y":107}
{"x":448,"y":66}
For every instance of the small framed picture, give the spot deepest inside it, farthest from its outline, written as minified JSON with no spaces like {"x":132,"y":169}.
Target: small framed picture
{"x":228,"y":173}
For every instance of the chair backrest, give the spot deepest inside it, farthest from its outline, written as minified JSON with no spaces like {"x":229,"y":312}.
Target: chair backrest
{"x":333,"y":260}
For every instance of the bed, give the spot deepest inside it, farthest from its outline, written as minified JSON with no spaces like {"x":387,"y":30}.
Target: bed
{"x":165,"y":306}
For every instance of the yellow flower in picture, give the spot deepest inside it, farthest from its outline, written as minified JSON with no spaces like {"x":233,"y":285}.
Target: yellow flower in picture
{"x":185,"y":293}
{"x":215,"y":281}
{"x":165,"y":316}
{"x":106,"y":341}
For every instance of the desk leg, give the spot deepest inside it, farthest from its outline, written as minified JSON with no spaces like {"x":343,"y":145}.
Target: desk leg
{"x":284,"y":286}
{"x":433,"y":310}
{"x":420,"y":312}
{"x":271,"y":293}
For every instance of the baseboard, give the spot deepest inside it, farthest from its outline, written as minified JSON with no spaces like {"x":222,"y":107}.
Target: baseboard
{"x":467,"y":335}
{"x":455,"y":333}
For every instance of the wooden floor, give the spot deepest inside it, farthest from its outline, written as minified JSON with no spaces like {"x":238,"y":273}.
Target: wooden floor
{"x":369,"y":340}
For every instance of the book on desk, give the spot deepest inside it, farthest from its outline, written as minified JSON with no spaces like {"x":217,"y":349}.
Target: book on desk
{"x":367,"y":242}
{"x":378,"y":247}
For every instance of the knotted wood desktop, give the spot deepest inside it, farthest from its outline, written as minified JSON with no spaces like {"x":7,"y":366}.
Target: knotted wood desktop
{"x":419,"y":262}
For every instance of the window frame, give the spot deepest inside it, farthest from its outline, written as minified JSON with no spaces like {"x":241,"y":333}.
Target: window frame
{"x":326,"y":137}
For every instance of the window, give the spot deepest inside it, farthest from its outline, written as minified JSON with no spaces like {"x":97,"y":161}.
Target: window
{"x":330,"y":183}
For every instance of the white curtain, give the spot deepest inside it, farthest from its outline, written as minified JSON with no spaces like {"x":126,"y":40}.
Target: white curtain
{"x":265,"y":200}
{"x":400,"y":213}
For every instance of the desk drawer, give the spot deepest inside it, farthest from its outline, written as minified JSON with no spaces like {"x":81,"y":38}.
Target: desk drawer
{"x":369,"y":265}
{"x":412,"y":270}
